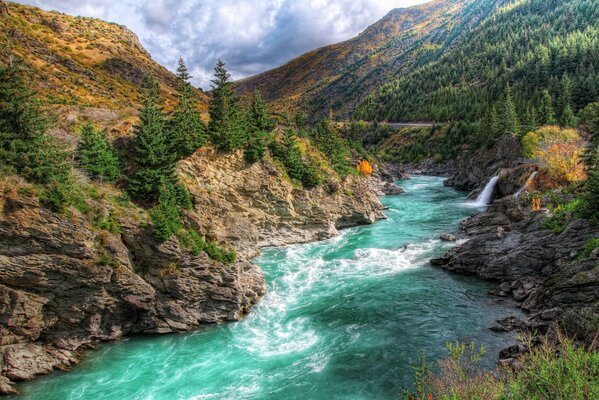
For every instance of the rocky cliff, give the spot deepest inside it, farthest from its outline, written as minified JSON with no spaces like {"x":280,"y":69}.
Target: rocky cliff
{"x":254,"y":206}
{"x":547,"y":273}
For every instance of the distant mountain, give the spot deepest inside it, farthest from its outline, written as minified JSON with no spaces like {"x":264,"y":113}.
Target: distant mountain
{"x":80,"y":61}
{"x":340,"y":76}
{"x":541,"y":54}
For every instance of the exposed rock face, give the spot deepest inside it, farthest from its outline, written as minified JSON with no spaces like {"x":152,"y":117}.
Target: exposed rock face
{"x":56,"y":296}
{"x":253,"y":206}
{"x":473,"y":170}
{"x":543,"y":271}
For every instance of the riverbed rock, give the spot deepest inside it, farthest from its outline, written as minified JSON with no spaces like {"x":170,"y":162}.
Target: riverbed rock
{"x":448,"y":237}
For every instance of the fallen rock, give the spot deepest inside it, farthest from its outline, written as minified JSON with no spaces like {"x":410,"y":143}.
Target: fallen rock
{"x":448,"y":237}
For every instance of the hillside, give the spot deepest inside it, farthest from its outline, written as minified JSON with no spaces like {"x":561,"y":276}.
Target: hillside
{"x":78,"y":62}
{"x":339,"y":76}
{"x":531,"y":45}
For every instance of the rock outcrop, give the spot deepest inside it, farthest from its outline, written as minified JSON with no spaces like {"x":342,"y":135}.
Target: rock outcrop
{"x":471,"y":171}
{"x":544,"y":271}
{"x":254,"y":206}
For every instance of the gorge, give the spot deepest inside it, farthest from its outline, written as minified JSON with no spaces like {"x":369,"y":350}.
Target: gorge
{"x":343,"y":317}
{"x":412,"y":213}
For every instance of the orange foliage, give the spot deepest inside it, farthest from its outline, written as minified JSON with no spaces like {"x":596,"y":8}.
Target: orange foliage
{"x":536,"y":204}
{"x":365,"y":168}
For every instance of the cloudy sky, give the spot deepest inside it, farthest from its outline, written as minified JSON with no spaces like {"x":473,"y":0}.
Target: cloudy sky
{"x":251,"y":36}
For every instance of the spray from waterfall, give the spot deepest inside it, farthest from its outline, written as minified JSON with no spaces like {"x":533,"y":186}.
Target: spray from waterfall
{"x":484,"y":198}
{"x":528,"y":182}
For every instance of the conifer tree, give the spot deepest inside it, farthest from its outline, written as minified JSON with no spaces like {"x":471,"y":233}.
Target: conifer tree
{"x":187,"y":132}
{"x":510,"y":122}
{"x":259,"y":128}
{"x":153,"y":156}
{"x":496,"y":125}
{"x":530,"y":121}
{"x":96,"y":156}
{"x":564,"y":106}
{"x":165,"y":216}
{"x":25,"y":148}
{"x":546,"y":113}
{"x":226,"y":128}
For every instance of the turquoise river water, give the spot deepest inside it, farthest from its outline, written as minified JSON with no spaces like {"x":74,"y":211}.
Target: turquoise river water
{"x":343,"y":319}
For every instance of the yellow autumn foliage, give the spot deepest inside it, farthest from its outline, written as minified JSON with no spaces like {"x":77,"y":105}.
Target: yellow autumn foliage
{"x":558,"y":151}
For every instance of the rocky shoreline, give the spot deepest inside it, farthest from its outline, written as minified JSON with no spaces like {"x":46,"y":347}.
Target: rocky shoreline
{"x":547,"y":274}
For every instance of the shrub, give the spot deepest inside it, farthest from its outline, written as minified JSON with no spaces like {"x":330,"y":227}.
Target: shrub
{"x":562,"y":215}
{"x":220,"y":254}
{"x":165,"y":217}
{"x":364,"y":168}
{"x":195,"y":244}
{"x":557,"y":150}
{"x":590,"y":246}
{"x":561,"y":371}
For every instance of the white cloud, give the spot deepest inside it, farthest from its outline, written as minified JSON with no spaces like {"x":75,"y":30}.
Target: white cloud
{"x":250,"y":35}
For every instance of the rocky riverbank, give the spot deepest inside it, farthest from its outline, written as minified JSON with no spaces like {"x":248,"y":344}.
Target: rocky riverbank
{"x":547,"y":273}
{"x":70,"y":281}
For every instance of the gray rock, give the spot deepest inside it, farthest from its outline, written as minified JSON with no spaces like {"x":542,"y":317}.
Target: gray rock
{"x":448,"y":237}
{"x":534,"y":266}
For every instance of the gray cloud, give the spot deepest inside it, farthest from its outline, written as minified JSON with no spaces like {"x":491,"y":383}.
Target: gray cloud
{"x":250,"y":35}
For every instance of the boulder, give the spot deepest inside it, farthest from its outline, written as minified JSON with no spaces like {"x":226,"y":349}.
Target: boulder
{"x":448,"y":237}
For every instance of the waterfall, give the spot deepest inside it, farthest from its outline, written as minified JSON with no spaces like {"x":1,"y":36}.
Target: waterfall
{"x":528,"y":182}
{"x":484,"y":198}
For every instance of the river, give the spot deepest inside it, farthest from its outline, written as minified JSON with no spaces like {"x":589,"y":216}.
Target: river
{"x":343,"y":319}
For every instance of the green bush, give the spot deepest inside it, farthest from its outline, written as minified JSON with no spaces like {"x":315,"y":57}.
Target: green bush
{"x":220,"y":254}
{"x":195,"y":244}
{"x":590,"y":246}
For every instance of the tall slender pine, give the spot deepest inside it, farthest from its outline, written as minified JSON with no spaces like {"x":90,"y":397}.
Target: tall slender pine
{"x":226,"y":128}
{"x":259,"y":129}
{"x":187,"y":132}
{"x":153,"y":156}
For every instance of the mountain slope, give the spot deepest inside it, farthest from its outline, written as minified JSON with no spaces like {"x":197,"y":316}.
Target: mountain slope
{"x":339,"y":76}
{"x":532,"y":45}
{"x":80,"y":61}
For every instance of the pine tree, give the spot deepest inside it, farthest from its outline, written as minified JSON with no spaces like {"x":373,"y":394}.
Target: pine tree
{"x":187,"y":132}
{"x":496,"y":124}
{"x":509,"y":116}
{"x":529,"y":122}
{"x":25,"y":148}
{"x":96,"y":156}
{"x":153,"y":156}
{"x":259,"y":128}
{"x":564,"y":104}
{"x":546,"y":113}
{"x":226,"y":126}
